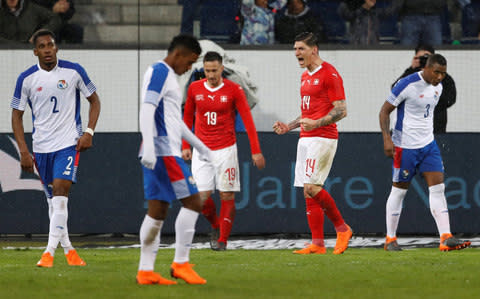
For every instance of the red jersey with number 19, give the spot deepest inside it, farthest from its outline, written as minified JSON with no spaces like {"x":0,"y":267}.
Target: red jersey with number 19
{"x":319,"y":90}
{"x":214,"y":110}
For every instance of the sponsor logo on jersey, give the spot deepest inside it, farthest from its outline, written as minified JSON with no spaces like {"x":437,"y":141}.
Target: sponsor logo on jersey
{"x":421,"y":96}
{"x":39,"y":89}
{"x":199,"y":97}
{"x":62,"y":84}
{"x":223,"y":99}
{"x":211,"y":97}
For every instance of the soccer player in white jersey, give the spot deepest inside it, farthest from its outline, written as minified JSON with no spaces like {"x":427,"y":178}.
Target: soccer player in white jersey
{"x":213,"y":101}
{"x":414,"y":149}
{"x":322,"y":105}
{"x":166,"y":176}
{"x":52,"y":90}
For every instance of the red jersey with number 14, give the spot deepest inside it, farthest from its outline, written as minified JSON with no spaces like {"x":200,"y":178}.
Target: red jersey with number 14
{"x":214,"y":110}
{"x":319,"y":90}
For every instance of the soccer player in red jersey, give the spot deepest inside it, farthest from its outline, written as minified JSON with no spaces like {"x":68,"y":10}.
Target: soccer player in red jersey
{"x":322,"y":105}
{"x":213,"y":101}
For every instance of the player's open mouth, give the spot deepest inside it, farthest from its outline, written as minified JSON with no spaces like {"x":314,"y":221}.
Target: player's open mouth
{"x":300,"y":59}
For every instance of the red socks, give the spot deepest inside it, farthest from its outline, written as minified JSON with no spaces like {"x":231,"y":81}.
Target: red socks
{"x":227,"y":214}
{"x":210,"y":212}
{"x":315,"y":221}
{"x":330,"y":208}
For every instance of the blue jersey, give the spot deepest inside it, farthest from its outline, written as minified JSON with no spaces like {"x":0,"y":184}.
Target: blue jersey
{"x":415,"y":100}
{"x":54,"y":98}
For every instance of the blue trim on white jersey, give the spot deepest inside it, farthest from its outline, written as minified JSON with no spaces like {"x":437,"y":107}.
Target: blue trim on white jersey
{"x":404,"y":82}
{"x":78,"y":118}
{"x":81,"y":71}
{"x":400,"y":115}
{"x":159,"y":75}
{"x":17,"y":95}
{"x":160,"y":119}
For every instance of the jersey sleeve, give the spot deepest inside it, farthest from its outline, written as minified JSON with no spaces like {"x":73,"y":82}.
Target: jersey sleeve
{"x":397,"y":95}
{"x":188,"y":114}
{"x":20,"y":95}
{"x":335,"y":87}
{"x":243,"y":109}
{"x":84,"y":84}
{"x":154,"y":84}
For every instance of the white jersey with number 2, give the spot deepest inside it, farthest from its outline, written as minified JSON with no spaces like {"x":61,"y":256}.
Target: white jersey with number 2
{"x":54,"y":98}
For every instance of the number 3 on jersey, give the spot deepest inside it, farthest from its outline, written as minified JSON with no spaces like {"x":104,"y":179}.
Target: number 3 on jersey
{"x":211,"y":117}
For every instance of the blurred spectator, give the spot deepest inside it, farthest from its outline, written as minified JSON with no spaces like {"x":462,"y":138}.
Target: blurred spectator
{"x":298,"y":18}
{"x":19,"y":19}
{"x":449,"y":92}
{"x":188,"y":15}
{"x":258,"y":21}
{"x":70,"y":33}
{"x":364,"y":18}
{"x":421,"y":22}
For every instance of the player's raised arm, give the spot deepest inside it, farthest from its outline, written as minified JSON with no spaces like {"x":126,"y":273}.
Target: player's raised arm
{"x":384,"y":118}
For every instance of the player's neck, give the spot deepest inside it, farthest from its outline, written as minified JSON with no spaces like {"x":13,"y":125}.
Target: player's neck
{"x":48,"y":66}
{"x":314,"y":64}
{"x":215,"y":86}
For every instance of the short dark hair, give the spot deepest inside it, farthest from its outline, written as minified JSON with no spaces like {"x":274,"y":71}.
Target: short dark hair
{"x":213,"y":56}
{"x":41,"y":32}
{"x":308,"y":38}
{"x":186,"y":41}
{"x":425,"y":47}
{"x":436,"y":59}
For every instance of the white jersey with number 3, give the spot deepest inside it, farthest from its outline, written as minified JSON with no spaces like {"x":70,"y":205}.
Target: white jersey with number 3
{"x":54,"y":98}
{"x":415,"y":100}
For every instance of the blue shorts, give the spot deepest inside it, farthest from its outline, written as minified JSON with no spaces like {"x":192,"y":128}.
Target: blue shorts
{"x":406,"y":162}
{"x":61,"y":164}
{"x":171,"y":179}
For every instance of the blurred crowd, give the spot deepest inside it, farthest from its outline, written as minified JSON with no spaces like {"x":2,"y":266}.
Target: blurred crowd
{"x":364,"y":22}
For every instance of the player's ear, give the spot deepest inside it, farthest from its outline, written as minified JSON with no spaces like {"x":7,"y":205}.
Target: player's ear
{"x":35,"y":52}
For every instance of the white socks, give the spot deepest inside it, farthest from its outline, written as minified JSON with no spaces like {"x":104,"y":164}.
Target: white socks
{"x":149,"y":240}
{"x":394,"y":209}
{"x":439,"y":208}
{"x":184,"y":231}
{"x":64,"y":240}
{"x":58,"y":223}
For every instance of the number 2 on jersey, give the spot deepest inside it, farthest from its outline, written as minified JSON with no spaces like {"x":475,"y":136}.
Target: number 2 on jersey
{"x":211,"y":117}
{"x":54,"y":100}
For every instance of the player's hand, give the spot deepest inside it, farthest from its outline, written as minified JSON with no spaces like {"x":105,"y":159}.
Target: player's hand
{"x":280,"y":128}
{"x":26,"y":161}
{"x":84,"y":143}
{"x":258,"y":160}
{"x":187,"y":154}
{"x":149,"y":159}
{"x":388,"y":148}
{"x":308,"y":124}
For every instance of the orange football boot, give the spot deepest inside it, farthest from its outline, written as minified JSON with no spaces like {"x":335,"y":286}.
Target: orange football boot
{"x":342,"y":241}
{"x":73,"y":259}
{"x":312,"y":249}
{"x":150,"y":277}
{"x":449,"y":242}
{"x":46,"y":261}
{"x":184,"y":271}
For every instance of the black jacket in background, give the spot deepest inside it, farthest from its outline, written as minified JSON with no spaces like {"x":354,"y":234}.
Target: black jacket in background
{"x":447,"y":99}
{"x":288,"y":26}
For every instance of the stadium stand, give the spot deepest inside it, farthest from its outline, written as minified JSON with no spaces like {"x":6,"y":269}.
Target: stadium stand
{"x":113,"y":21}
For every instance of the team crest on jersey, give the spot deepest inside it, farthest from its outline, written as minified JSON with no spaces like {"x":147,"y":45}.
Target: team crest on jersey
{"x":405,"y":173}
{"x":62,"y":84}
{"x":316,"y":82}
{"x":223,"y":99}
{"x":199,"y":97}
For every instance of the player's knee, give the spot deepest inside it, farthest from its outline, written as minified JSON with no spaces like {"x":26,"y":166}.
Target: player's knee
{"x":311,"y":190}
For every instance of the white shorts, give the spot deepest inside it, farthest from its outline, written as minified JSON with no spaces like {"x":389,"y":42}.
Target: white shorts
{"x":314,"y":160}
{"x":223,"y":172}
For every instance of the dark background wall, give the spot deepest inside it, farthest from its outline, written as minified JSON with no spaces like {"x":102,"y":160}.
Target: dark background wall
{"x":109,"y":194}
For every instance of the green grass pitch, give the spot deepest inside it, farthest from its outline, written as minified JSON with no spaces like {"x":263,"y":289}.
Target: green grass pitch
{"x":358,"y":273}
